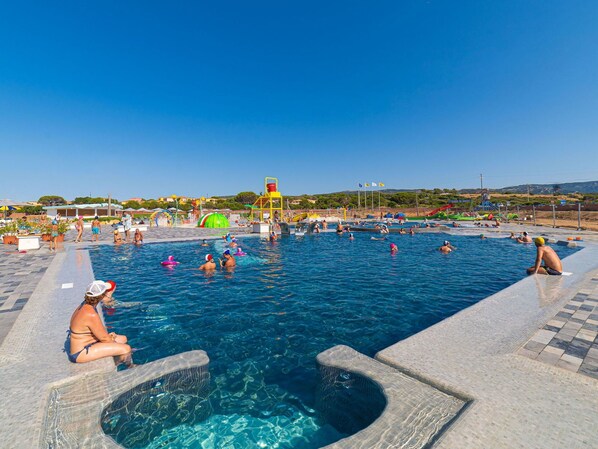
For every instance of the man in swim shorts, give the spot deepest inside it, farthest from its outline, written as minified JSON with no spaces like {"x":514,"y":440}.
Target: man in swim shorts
{"x":95,"y":229}
{"x":209,"y":265}
{"x":552,"y":262}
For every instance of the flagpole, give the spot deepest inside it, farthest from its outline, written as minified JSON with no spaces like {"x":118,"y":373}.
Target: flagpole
{"x":358,"y":191}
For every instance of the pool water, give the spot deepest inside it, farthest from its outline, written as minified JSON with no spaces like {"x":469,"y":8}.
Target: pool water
{"x":263,"y":324}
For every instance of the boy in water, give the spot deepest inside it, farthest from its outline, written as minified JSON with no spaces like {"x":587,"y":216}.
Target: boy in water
{"x":209,"y":265}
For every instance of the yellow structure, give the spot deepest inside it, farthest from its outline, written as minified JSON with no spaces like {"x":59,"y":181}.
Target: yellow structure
{"x":269,"y":203}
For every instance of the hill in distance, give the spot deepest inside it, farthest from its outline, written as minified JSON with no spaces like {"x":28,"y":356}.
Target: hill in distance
{"x":534,"y":189}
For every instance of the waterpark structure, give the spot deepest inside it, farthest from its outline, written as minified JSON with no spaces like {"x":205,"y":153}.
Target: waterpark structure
{"x":270,"y":203}
{"x":213,"y":220}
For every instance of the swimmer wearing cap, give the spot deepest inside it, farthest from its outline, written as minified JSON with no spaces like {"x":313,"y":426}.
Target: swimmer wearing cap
{"x":209,"y":265}
{"x":229,"y":261}
{"x":552,"y":263}
{"x":446,"y":247}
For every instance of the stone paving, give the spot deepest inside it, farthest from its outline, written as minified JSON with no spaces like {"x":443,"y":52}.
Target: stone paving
{"x":19,"y":275}
{"x":570,"y":339}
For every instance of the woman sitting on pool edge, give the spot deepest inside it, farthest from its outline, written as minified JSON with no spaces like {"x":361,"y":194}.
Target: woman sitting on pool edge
{"x":88,"y":338}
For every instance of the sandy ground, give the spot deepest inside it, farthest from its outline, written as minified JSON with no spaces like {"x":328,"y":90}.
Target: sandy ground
{"x":589,"y":220}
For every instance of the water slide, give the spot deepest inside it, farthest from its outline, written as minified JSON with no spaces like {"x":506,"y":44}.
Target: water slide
{"x":440,"y":209}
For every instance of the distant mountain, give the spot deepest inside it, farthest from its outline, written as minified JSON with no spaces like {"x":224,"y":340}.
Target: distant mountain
{"x":547,"y":189}
{"x":535,"y":189}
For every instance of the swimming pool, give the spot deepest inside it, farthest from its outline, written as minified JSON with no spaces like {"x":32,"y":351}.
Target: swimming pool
{"x":263,"y":325}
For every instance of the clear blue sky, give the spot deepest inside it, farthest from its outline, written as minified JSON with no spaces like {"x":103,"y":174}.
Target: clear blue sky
{"x":194,"y":98}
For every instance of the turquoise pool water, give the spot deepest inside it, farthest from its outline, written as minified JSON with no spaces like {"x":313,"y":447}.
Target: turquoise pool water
{"x":263,"y":324}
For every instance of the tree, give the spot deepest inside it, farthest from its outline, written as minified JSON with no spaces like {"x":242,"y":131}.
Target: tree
{"x":93,"y":200}
{"x":133,"y":204}
{"x":52,"y":200}
{"x":32,"y":210}
{"x":245,"y":198}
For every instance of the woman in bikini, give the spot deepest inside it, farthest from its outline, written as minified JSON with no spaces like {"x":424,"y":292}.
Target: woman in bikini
{"x":89,"y":339}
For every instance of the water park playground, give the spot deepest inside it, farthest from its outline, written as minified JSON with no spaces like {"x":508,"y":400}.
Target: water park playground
{"x":518,"y":369}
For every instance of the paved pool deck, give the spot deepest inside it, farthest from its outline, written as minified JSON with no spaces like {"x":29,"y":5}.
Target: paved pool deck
{"x":517,"y":400}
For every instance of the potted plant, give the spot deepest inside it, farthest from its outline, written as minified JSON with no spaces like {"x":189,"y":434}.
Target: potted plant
{"x":63,"y":228}
{"x":46,"y":230}
{"x":9,"y":233}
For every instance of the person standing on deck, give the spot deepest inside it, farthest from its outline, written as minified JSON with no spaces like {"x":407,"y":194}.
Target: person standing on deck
{"x":95,"y":229}
{"x":79,"y":228}
{"x":127,"y":225}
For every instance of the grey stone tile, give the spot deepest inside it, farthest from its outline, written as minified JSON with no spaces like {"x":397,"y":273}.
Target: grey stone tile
{"x":534,"y":346}
{"x":558,"y":343}
{"x":549,"y":358}
{"x":588,"y":370}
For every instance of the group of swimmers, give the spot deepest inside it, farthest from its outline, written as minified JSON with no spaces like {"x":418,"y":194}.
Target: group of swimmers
{"x":227,"y":261}
{"x":137,"y":237}
{"x":547,"y":260}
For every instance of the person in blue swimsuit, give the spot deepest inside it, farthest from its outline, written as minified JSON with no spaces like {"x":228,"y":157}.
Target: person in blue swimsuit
{"x":89,"y":339}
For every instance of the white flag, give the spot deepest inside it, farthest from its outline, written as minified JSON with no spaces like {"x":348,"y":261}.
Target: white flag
{"x":374,"y":184}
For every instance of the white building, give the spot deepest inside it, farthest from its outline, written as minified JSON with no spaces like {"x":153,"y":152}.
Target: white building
{"x":86,"y":210}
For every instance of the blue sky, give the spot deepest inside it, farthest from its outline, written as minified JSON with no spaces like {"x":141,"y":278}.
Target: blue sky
{"x":207,"y":98}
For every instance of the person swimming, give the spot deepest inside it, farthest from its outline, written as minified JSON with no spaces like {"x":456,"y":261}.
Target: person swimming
{"x":351,"y":237}
{"x":209,"y":265}
{"x":228,"y":261}
{"x":169,"y":261}
{"x":204,"y":243}
{"x":394,"y":248}
{"x":240,"y":252}
{"x":524,"y":238}
{"x":446,"y":247}
{"x":118,"y":240}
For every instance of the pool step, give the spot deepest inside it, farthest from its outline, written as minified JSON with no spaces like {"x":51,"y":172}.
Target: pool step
{"x":415,"y":415}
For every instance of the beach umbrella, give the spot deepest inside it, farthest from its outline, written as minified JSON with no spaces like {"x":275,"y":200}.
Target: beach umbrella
{"x":6,"y":203}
